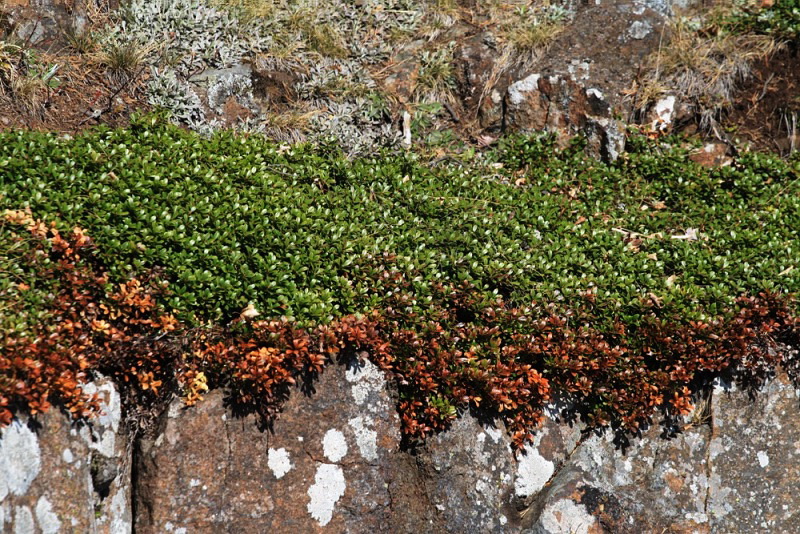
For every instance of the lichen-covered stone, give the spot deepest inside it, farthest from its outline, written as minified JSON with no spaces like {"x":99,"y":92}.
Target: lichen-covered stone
{"x":57,"y":476}
{"x":754,"y":460}
{"x":43,"y":22}
{"x":332,"y":462}
{"x":470,"y":476}
{"x":580,"y":85}
{"x":732,"y":468}
{"x":329,"y":461}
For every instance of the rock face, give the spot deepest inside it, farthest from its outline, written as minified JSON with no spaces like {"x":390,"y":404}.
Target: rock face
{"x":579,"y":85}
{"x":332,"y":462}
{"x":42,"y":22}
{"x":733,"y":468}
{"x":59,"y":477}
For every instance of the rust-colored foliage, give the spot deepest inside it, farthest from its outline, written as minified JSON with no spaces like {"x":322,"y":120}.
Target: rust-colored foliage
{"x":460,"y":351}
{"x":88,"y":326}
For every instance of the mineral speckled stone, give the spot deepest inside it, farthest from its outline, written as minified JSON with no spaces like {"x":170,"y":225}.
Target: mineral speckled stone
{"x":329,"y":462}
{"x":50,"y":479}
{"x":332,"y":463}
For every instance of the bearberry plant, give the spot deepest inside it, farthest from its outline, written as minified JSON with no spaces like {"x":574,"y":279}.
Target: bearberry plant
{"x":499,"y":281}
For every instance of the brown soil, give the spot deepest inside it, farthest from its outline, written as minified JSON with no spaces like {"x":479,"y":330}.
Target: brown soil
{"x":767,"y":109}
{"x":86,"y":96}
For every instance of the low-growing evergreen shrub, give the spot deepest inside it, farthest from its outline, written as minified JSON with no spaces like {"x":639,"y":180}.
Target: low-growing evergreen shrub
{"x":497,"y":281}
{"x":780,"y":18}
{"x":234,"y":220}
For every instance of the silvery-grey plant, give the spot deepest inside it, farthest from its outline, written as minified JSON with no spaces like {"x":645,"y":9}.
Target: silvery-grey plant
{"x":197,"y":35}
{"x":167,"y":91}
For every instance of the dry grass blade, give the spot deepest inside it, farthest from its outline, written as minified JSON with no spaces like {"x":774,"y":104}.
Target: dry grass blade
{"x":705,"y":67}
{"x":123,"y":58}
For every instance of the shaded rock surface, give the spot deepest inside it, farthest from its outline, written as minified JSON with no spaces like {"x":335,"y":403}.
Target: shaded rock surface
{"x":56,"y":476}
{"x":332,"y":462}
{"x":42,"y":22}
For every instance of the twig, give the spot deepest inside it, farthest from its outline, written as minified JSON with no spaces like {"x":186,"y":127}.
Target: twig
{"x":451,"y":111}
{"x":764,"y":89}
{"x":96,"y":114}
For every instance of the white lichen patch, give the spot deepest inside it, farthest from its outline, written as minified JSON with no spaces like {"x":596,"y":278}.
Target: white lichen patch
{"x":169,"y":527}
{"x":517,"y":90}
{"x":622,"y":471}
{"x":106,"y":445}
{"x":715,"y":448}
{"x":495,"y":433}
{"x":120,"y":511}
{"x":697,"y":517}
{"x":102,"y":436}
{"x":590,"y":456}
{"x":175,"y":408}
{"x":328,"y":488}
{"x":723,"y":386}
{"x":111,"y":404}
{"x":279,"y":462}
{"x":578,"y":70}
{"x":20,"y":459}
{"x":47,"y":519}
{"x":763,"y":458}
{"x":663,"y":110}
{"x":638,"y":30}
{"x":334,"y":445}
{"x":366,"y":437}
{"x":565,"y":516}
{"x":366,"y":379}
{"x":595,"y":93}
{"x":533,"y":472}
{"x":23,"y":521}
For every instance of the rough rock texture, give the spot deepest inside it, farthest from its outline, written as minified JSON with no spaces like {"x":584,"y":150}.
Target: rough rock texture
{"x":733,"y":468}
{"x":56,"y":476}
{"x":605,"y":44}
{"x":331,"y":461}
{"x":42,"y":22}
{"x":468,"y":476}
{"x":713,"y":155}
{"x":565,"y":107}
{"x":480,"y":81}
{"x":754,"y":460}
{"x":579,"y":85}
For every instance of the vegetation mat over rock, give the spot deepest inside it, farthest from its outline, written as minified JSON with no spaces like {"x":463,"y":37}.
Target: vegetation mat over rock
{"x":500,"y":281}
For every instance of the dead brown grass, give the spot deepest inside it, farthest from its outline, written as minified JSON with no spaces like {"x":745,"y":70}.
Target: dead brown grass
{"x":703,"y":66}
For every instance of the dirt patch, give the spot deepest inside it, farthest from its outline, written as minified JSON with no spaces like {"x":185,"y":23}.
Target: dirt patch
{"x":83,"y":96}
{"x":766,"y":112}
